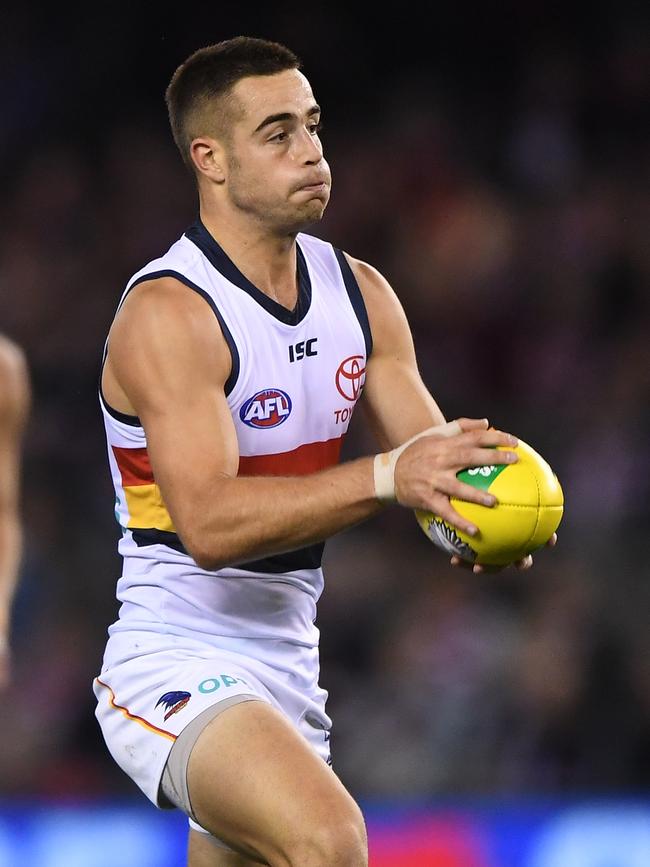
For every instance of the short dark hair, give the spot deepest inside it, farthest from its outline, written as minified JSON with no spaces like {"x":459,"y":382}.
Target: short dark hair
{"x":210,"y":73}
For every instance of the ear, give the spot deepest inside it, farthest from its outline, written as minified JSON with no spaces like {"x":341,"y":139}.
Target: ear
{"x":209,"y":158}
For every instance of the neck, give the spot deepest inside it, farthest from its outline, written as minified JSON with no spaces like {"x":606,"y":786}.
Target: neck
{"x":267,"y":260}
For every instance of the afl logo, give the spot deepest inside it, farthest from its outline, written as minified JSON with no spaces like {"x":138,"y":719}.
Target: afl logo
{"x":268,"y":408}
{"x":351,"y":376}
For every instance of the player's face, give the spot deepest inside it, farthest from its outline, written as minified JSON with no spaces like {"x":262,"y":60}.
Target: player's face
{"x":276,"y":169}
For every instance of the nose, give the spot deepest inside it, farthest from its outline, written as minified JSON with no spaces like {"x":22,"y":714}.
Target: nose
{"x":311,"y":150}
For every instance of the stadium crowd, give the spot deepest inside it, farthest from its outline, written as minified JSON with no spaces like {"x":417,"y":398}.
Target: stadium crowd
{"x":512,"y":228}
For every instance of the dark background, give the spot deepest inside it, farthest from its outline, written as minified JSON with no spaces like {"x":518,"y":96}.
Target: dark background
{"x":492,"y":163}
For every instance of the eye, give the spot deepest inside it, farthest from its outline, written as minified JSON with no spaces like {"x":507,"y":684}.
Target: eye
{"x":279,"y":136}
{"x":315,"y":127}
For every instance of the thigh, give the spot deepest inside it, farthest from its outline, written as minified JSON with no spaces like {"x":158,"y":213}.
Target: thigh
{"x":144,"y":705}
{"x":256,"y":784}
{"x":203,"y":852}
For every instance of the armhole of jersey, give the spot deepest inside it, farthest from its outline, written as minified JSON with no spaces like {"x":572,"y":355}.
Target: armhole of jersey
{"x":122,"y":417}
{"x":356,"y":298}
{"x":232,"y":346}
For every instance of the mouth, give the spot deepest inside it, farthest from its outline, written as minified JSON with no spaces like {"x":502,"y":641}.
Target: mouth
{"x":314,"y":187}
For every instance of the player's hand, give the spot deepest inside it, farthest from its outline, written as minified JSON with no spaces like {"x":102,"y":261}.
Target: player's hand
{"x":522,"y":565}
{"x":425,"y":472}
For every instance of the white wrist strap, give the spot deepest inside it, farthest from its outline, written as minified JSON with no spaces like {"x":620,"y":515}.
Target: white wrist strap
{"x":384,"y":466}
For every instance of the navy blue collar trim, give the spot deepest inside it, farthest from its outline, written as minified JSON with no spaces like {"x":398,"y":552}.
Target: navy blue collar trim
{"x":199,"y":235}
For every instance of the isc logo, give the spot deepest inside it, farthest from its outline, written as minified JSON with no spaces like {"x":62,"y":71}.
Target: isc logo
{"x":268,"y":408}
{"x":305,"y":348}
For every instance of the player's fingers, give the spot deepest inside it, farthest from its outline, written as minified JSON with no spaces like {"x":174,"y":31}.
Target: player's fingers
{"x":440,"y":505}
{"x":446,"y":430}
{"x":455,"y":488}
{"x":476,"y":568}
{"x":552,"y":542}
{"x":469,"y":424}
{"x":482,"y":457}
{"x":481,"y":567}
{"x":524,"y":564}
{"x":460,"y":563}
{"x":489,"y":438}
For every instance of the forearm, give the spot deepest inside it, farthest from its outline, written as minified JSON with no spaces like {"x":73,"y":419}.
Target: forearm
{"x":392,"y":429}
{"x":249,"y":518}
{"x":394,"y":385}
{"x":10,"y":554}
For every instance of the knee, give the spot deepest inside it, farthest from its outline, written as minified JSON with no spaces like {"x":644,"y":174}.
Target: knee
{"x":332,"y":842}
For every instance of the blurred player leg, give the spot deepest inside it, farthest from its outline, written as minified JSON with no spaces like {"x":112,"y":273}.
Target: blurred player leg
{"x":255,"y":783}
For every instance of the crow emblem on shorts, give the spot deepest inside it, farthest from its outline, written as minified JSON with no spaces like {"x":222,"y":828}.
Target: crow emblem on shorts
{"x":172,"y":702}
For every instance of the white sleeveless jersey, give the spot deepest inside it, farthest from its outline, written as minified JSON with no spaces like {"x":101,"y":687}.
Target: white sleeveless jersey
{"x":296,"y":377}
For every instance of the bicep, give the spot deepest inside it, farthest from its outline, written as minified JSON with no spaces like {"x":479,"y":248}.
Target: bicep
{"x":192,"y":445}
{"x":173,"y":375}
{"x":395,"y":399}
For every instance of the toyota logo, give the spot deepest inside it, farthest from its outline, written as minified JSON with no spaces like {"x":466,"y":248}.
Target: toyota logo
{"x":351,"y":376}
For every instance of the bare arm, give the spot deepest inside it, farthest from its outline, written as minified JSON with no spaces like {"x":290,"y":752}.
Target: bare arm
{"x":168,"y":358}
{"x":424,"y":469}
{"x":425,"y":473}
{"x":14,"y":408}
{"x":169,"y":362}
{"x":393,"y":379}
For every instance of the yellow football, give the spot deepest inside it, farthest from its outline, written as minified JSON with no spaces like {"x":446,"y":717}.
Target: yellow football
{"x":529,"y":508}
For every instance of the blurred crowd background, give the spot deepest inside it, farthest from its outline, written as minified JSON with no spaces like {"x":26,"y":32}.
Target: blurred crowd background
{"x":494,"y":166}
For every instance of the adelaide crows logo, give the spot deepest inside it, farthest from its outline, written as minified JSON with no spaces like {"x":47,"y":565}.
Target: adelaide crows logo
{"x":173,"y":702}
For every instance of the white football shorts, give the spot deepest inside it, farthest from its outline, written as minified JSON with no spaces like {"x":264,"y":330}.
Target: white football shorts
{"x":145,"y":701}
